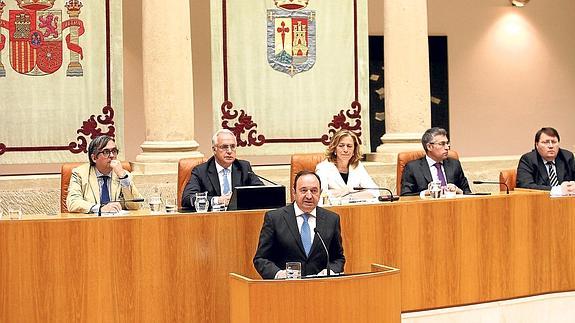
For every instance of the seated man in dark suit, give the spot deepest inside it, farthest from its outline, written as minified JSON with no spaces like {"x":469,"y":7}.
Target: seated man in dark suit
{"x":221,"y":173}
{"x":435,"y":166}
{"x":547,"y":167}
{"x":288,"y":234}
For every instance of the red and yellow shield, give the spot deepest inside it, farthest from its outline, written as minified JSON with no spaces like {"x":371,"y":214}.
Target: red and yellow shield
{"x":35,"y":41}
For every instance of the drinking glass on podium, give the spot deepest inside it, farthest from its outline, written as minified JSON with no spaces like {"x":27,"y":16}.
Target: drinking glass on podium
{"x":14,"y":212}
{"x":293,"y":270}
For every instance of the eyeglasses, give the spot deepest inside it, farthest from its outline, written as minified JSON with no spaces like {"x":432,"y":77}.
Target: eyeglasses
{"x":226,"y":147}
{"x":107,"y":152}
{"x":549,"y":142}
{"x":442,"y":143}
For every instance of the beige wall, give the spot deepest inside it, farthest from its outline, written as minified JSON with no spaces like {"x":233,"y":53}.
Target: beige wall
{"x":511,"y":71}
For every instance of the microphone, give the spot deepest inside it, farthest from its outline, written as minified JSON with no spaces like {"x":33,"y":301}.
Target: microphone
{"x":261,"y":177}
{"x":325,"y":248}
{"x":120,"y":201}
{"x":389,"y":198}
{"x":492,"y":182}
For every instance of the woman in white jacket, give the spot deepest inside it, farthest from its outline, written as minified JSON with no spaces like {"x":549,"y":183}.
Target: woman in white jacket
{"x":342,"y":170}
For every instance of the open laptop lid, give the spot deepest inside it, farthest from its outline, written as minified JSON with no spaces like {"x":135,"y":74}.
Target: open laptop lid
{"x":257,"y":197}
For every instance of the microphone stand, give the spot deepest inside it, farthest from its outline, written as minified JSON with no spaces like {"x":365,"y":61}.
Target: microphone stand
{"x":326,"y":251}
{"x":493,"y":182}
{"x":389,"y":198}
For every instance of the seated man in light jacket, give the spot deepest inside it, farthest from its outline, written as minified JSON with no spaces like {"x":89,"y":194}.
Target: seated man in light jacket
{"x":102,"y":182}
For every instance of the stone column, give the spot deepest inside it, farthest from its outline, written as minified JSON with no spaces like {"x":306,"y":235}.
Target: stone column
{"x":407,"y":89}
{"x":168,"y":87}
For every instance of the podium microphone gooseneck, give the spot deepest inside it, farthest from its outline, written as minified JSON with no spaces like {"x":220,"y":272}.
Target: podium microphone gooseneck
{"x":265,"y":179}
{"x":324,"y":247}
{"x":389,"y":198}
{"x":120,"y":201}
{"x":492,"y":182}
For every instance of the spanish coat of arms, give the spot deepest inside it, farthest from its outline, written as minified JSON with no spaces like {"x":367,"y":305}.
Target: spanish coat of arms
{"x":291,"y":36}
{"x":36,"y":35}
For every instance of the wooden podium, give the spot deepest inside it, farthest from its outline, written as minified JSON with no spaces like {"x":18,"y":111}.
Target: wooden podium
{"x":369,"y":297}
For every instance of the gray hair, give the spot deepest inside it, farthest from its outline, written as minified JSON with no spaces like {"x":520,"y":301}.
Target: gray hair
{"x":215,"y":136}
{"x":427,"y":137}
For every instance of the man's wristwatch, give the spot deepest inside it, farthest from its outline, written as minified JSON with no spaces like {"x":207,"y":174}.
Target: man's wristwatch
{"x":124,"y":177}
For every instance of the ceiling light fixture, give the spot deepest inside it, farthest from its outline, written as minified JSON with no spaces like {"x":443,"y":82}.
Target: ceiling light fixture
{"x":519,"y":3}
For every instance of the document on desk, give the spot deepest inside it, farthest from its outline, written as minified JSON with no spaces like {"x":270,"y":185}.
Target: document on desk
{"x":112,"y":214}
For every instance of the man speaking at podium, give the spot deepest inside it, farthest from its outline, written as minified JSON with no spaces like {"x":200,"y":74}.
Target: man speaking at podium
{"x":289,"y":234}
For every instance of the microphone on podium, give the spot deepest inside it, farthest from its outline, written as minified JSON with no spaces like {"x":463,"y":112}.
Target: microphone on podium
{"x":389,"y":198}
{"x":261,"y":177}
{"x":325,"y":248}
{"x":492,"y":182}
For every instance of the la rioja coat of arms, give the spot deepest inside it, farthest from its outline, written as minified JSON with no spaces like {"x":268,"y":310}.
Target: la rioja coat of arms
{"x":291,"y":37}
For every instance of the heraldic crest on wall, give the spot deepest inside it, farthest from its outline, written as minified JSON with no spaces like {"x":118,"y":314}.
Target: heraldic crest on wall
{"x":291,"y":36}
{"x":36,"y":34}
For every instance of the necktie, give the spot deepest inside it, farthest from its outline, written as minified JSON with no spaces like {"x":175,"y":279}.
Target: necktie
{"x":305,"y":234}
{"x":552,"y":175}
{"x":440,"y":174}
{"x":226,"y":182}
{"x":104,"y":192}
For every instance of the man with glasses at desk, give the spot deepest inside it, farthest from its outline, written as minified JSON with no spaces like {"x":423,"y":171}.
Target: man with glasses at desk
{"x":434,"y":166}
{"x":547,"y":167}
{"x":102,"y":183}
{"x":221,"y":173}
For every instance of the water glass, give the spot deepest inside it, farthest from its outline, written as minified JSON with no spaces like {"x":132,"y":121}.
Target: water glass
{"x":14,"y":212}
{"x":216,"y":205}
{"x":171,"y":205}
{"x":155,"y":200}
{"x":434,"y":189}
{"x":293,"y":270}
{"x":201,"y":202}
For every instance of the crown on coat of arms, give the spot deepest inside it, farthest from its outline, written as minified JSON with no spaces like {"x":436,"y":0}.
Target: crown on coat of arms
{"x":73,"y":5}
{"x":35,"y":5}
{"x":291,"y":4}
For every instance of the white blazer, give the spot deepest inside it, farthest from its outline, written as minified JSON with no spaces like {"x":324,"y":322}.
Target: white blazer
{"x":331,"y":179}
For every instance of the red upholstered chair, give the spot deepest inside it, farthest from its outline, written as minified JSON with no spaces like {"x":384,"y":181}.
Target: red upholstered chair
{"x":509,"y":177}
{"x":301,"y":162}
{"x":185,"y":167}
{"x":66,"y":174}
{"x":405,"y":157}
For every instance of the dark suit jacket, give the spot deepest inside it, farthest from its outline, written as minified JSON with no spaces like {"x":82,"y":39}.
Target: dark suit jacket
{"x":532,"y":172}
{"x":280,"y":242}
{"x":416,"y":176}
{"x":205,"y":179}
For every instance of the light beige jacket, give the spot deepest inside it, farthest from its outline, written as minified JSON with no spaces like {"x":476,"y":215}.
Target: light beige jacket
{"x":84,"y":191}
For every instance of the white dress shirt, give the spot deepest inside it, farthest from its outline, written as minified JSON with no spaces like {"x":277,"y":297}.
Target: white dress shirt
{"x":555,"y":190}
{"x":220,"y":171}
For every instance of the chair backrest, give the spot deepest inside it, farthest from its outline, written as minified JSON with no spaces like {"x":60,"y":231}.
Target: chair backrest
{"x":66,"y":174}
{"x":301,"y":162}
{"x":185,"y":167}
{"x":509,"y":177}
{"x":405,"y":157}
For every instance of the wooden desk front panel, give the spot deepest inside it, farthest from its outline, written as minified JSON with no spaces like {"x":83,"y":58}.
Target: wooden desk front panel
{"x":175,"y":268}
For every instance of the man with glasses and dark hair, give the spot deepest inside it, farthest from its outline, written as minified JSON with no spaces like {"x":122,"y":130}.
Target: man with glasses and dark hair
{"x":102,"y":182}
{"x":435,"y":166}
{"x":547,"y":167}
{"x":221,"y":173}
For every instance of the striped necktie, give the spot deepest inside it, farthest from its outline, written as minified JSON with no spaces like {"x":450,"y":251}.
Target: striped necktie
{"x":552,"y":175}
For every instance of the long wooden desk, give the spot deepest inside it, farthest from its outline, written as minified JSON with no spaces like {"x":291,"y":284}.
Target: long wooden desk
{"x":174,"y":268}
